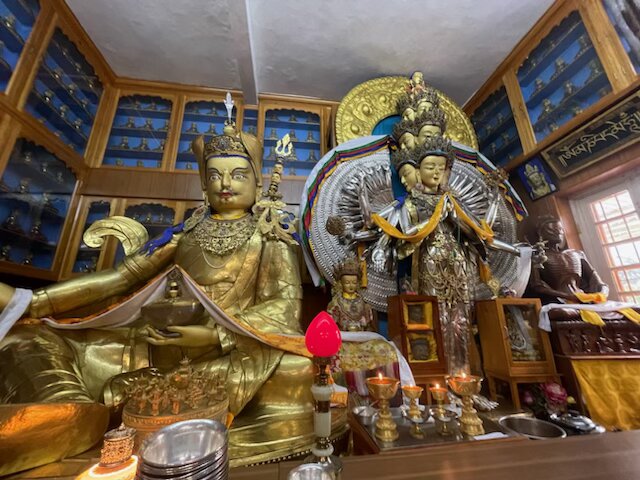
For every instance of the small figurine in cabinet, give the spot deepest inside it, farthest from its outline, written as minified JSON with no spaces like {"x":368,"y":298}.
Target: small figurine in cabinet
{"x":64,"y":111}
{"x":148,"y":124}
{"x":292,"y":135}
{"x":165,"y":127}
{"x":119,"y":162}
{"x":124,"y":143}
{"x":596,"y":69}
{"x":212,"y":129}
{"x":5,"y":253}
{"x":140,"y":163}
{"x":160,"y":147}
{"x":293,"y":118}
{"x":347,"y":307}
{"x":193,"y":128}
{"x":11,"y":222}
{"x":312,"y":156}
{"x":583,"y":41}
{"x":144,"y":144}
{"x":569,"y":88}
{"x":547,"y":107}
{"x":36,"y":232}
{"x":59,"y":177}
{"x":10,"y":22}
{"x":28,"y":157}
{"x":48,"y":96}
{"x":23,"y":187}
{"x":560,"y":65}
{"x":77,"y":124}
{"x":153,"y":106}
{"x":28,"y":259}
{"x":273,"y":135}
{"x":539,"y":85}
{"x":310,"y":137}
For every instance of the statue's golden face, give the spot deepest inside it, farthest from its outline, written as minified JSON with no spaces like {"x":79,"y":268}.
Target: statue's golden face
{"x":408,"y":176}
{"x":349,"y":283}
{"x":231,"y":185}
{"x":428,"y":131}
{"x":407,"y":141}
{"x":423,"y":106}
{"x":432,"y":172}
{"x":409,"y":114}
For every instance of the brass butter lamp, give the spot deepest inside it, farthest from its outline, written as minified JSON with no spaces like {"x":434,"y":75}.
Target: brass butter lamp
{"x":384,"y":389}
{"x":466,"y":386}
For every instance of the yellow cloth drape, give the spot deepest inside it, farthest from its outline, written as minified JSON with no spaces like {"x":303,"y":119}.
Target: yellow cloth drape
{"x":483,"y":230}
{"x":593,"y":318}
{"x":610,"y":389}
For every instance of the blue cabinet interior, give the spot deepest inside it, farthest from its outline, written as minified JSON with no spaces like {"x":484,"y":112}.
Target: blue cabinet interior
{"x":496,"y":129}
{"x":200,"y":118}
{"x":66,"y":93}
{"x":16,"y":22}
{"x":139,"y":132}
{"x":35,"y":193}
{"x":561,"y":77}
{"x":304,"y":131}
{"x":87,"y":257}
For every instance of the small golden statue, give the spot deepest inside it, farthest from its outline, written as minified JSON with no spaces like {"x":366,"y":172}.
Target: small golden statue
{"x":347,"y":306}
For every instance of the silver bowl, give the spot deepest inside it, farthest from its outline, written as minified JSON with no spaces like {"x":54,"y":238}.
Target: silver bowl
{"x":532,"y":428}
{"x":184,"y":444}
{"x":310,"y":471}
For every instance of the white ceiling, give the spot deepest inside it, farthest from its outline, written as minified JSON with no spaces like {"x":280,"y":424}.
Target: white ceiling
{"x":314,"y":48}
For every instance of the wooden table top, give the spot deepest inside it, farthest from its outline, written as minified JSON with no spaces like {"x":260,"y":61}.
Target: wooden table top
{"x":610,"y":456}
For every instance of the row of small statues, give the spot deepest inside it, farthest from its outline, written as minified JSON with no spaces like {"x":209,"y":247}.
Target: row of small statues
{"x":12,"y":224}
{"x":148,"y":125}
{"x":618,"y":343}
{"x":272,"y":156}
{"x":152,"y":106}
{"x":142,"y":146}
{"x":63,"y":110}
{"x":292,"y":135}
{"x":273,"y":116}
{"x":175,"y":393}
{"x":583,"y":42}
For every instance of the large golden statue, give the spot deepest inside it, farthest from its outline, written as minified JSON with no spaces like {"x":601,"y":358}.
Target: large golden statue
{"x":242,"y":259}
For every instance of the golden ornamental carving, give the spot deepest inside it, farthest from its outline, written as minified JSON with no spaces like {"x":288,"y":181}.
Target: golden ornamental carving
{"x":133,"y":235}
{"x":370,"y":102}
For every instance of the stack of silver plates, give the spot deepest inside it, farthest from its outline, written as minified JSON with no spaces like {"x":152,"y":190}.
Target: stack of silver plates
{"x":189,"y":450}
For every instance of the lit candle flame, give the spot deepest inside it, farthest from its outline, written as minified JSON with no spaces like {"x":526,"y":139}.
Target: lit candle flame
{"x":437,"y":385}
{"x":380,"y":377}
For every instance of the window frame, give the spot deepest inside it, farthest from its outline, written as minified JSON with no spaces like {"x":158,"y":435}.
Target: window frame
{"x":588,"y":230}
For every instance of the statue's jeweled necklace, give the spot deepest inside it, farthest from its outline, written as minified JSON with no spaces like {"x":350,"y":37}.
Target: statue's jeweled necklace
{"x":221,"y":237}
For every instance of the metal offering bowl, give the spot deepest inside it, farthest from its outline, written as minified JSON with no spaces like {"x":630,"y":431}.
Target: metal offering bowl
{"x":169,"y":312}
{"x":184,"y":443}
{"x":532,"y":428}
{"x":465,"y":386}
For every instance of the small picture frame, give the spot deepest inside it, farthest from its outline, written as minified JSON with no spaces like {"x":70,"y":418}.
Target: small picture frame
{"x":537,"y":179}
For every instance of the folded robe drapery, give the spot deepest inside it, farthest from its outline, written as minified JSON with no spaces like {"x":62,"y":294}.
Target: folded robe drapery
{"x":127,"y":311}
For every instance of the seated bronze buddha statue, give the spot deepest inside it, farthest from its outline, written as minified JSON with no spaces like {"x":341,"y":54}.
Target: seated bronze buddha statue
{"x":250,"y":273}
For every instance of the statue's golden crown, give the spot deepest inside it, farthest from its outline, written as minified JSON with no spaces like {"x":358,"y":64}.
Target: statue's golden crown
{"x":350,"y":266}
{"x":229,"y":143}
{"x":436,"y":145}
{"x":413,"y":98}
{"x":433,"y":116}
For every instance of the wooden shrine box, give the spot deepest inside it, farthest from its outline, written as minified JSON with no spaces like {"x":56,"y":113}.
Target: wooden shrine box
{"x":414,"y":325}
{"x":514,"y":349}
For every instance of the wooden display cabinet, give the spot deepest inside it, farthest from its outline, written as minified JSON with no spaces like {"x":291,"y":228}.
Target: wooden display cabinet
{"x":308,"y":125}
{"x":83,"y":259}
{"x":572,"y":64}
{"x":414,"y":325}
{"x":514,"y":349}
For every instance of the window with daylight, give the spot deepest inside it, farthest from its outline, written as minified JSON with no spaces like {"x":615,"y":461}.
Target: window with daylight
{"x":609,"y":223}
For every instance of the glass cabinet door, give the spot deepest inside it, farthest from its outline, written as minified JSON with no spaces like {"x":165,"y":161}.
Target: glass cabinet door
{"x":523,"y":334}
{"x":87,"y":258}
{"x":66,"y":93}
{"x":200,"y":118}
{"x":303,"y":129}
{"x":496,"y":129}
{"x":561,"y":77}
{"x":156,"y":217}
{"x":139,"y":132}
{"x":16,"y":22}
{"x":625,"y":17}
{"x":35,"y":192}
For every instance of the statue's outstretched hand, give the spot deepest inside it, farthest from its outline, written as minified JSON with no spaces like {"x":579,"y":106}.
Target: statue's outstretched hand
{"x":194,"y":336}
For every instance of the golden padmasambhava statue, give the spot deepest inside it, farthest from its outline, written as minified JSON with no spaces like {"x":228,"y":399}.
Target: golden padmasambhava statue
{"x":245,"y":268}
{"x":347,"y":307}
